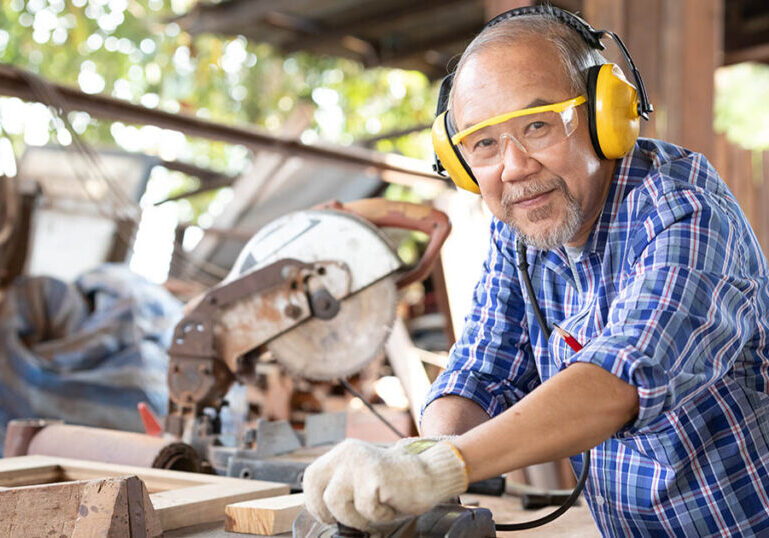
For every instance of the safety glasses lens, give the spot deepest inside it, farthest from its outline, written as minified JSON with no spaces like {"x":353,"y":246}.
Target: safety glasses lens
{"x":530,"y":133}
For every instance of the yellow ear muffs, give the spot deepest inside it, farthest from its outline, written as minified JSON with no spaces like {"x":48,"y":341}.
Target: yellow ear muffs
{"x":613,"y":110}
{"x":449,"y":156}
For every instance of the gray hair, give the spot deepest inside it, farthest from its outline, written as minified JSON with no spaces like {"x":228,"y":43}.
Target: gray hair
{"x":576,"y":55}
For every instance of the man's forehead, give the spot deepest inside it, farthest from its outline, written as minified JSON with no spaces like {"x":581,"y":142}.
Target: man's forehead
{"x":501,"y":79}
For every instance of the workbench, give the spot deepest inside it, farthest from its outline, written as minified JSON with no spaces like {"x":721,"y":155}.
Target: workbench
{"x":575,"y":523}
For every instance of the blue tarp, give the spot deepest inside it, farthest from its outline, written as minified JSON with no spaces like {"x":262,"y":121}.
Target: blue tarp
{"x":86,"y":352}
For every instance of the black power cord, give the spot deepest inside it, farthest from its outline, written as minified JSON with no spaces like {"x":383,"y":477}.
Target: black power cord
{"x":523,"y":268}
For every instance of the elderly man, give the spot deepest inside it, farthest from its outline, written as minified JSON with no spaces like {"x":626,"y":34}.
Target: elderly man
{"x":646,"y":259}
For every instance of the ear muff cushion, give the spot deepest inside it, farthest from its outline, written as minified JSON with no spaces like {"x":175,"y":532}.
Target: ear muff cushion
{"x":613,"y":108}
{"x":452,"y":161}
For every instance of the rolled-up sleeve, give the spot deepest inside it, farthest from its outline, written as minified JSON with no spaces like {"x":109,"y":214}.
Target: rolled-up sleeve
{"x":683,"y":312}
{"x":491,"y":363}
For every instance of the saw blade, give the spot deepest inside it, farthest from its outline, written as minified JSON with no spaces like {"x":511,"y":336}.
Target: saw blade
{"x":323,"y":350}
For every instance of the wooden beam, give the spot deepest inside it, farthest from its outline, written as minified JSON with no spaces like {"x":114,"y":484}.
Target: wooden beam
{"x":757,"y":53}
{"x":702,"y":54}
{"x":419,"y":47}
{"x":264,"y":516}
{"x":389,"y":15}
{"x":642,"y":36}
{"x":407,"y":366}
{"x":222,"y":17}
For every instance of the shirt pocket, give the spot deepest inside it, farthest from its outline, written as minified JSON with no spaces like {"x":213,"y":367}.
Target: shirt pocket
{"x":558,"y":349}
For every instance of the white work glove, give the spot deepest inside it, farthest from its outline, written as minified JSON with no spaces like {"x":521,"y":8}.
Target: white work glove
{"x":358,"y":483}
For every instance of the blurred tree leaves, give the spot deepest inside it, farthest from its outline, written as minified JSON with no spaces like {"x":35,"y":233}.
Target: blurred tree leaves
{"x":130,"y":51}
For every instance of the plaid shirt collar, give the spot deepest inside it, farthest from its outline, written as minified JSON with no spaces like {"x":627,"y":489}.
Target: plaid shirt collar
{"x":628,"y":174}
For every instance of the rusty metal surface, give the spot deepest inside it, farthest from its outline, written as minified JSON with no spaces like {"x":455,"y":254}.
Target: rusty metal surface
{"x":235,"y":318}
{"x":329,"y":349}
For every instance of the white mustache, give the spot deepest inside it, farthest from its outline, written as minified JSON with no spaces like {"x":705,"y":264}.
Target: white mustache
{"x":518,"y":193}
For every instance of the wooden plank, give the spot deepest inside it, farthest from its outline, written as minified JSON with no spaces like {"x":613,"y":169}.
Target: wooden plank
{"x":405,"y":362}
{"x":28,"y":470}
{"x":181,"y":498}
{"x":264,"y":516}
{"x":206,"y":503}
{"x":670,"y":108}
{"x":702,"y":29}
{"x":642,"y":35}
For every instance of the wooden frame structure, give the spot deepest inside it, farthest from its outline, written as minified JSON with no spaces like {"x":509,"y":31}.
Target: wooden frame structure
{"x":179,"y":499}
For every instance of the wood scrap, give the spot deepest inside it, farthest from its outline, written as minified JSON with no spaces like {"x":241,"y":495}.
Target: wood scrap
{"x":264,"y":516}
{"x":111,"y":507}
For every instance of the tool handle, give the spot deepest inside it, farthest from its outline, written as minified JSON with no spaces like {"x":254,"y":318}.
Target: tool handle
{"x":533,"y":501}
{"x":405,"y":215}
{"x":491,"y":486}
{"x":343,"y":531}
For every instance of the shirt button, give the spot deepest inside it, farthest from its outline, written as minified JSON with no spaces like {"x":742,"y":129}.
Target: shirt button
{"x":600,"y":501}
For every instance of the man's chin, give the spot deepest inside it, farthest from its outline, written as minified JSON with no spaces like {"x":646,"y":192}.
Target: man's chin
{"x":546,"y":234}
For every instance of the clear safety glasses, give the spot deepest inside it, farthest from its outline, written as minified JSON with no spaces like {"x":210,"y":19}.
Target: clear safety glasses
{"x":531,"y":129}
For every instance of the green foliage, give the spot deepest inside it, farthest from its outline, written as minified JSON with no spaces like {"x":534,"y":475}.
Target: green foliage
{"x":741,"y":105}
{"x":129,"y":50}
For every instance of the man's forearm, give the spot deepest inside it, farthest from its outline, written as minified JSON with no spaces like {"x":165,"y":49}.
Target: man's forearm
{"x":451,"y":415}
{"x":575,"y":410}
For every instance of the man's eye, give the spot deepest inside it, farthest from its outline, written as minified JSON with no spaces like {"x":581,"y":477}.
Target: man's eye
{"x":536,"y":128}
{"x":483,"y":143}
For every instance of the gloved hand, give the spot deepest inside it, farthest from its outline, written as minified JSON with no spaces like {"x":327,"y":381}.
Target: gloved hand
{"x":358,"y":483}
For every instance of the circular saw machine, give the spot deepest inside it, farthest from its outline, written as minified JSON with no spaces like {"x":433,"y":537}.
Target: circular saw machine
{"x":315,"y":288}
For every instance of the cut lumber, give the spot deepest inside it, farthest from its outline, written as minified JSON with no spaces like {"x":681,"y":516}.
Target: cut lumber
{"x":112,"y":508}
{"x":264,"y":516}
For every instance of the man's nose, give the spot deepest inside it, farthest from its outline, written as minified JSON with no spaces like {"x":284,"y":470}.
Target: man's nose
{"x":516,"y":162}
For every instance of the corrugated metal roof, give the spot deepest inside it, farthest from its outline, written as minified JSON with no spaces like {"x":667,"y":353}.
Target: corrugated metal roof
{"x":412,"y":34}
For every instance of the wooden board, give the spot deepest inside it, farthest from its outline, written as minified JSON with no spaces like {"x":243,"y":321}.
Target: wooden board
{"x":111,"y":507}
{"x":178,"y":498}
{"x":264,"y":516}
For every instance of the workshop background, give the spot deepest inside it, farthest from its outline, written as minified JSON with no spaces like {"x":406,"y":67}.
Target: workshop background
{"x":142,"y":143}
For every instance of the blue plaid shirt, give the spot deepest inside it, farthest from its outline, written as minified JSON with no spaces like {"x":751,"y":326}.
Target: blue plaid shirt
{"x":671,"y":295}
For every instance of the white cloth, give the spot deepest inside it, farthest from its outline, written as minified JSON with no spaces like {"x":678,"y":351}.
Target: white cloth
{"x":359,"y":484}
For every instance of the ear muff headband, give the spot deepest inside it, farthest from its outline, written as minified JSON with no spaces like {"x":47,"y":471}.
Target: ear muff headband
{"x":614,"y":105}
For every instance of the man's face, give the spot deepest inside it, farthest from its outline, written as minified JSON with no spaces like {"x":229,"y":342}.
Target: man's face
{"x":555,"y":195}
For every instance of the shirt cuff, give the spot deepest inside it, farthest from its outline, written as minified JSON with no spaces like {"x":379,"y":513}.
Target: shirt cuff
{"x":491,"y":395}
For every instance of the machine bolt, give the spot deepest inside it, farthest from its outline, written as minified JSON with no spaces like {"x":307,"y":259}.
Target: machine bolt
{"x":293,"y":311}
{"x":245,"y":473}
